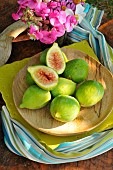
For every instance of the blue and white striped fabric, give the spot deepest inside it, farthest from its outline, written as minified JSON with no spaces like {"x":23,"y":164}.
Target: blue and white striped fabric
{"x":22,"y":143}
{"x":87,"y":30}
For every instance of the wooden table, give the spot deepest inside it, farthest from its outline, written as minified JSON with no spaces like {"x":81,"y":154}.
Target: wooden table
{"x":10,"y":161}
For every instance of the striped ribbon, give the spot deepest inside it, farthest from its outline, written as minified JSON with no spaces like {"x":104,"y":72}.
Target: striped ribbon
{"x":88,"y":30}
{"x":22,"y":143}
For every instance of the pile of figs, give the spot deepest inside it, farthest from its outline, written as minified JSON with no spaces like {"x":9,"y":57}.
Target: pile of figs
{"x":62,"y":83}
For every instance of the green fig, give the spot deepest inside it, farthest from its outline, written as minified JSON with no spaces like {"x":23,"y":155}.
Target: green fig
{"x":64,"y":108}
{"x":35,"y":98}
{"x":44,"y":54}
{"x":76,"y":70}
{"x":89,"y":93}
{"x":29,"y":79}
{"x":45,"y":77}
{"x":55,"y":59}
{"x":43,"y":57}
{"x":64,"y":87}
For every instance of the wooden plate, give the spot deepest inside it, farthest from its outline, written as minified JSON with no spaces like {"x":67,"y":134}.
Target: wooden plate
{"x":88,"y":118}
{"x":107,"y":30}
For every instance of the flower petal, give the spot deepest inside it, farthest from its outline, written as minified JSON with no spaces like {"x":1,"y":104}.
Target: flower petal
{"x":60,"y":30}
{"x":70,"y":23}
{"x":62,"y":17}
{"x":69,"y":12}
{"x":15,"y":16}
{"x":48,"y":37}
{"x":79,"y":9}
{"x":80,"y":12}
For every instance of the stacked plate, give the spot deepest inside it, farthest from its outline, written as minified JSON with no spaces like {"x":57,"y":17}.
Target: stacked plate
{"x":23,"y":128}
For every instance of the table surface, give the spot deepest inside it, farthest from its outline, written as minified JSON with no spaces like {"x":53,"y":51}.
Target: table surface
{"x":10,"y":161}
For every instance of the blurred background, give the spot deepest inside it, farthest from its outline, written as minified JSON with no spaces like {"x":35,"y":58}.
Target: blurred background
{"x":106,"y":5}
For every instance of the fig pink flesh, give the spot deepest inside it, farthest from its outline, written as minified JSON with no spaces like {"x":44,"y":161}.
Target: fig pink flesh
{"x":56,"y":61}
{"x":45,"y":76}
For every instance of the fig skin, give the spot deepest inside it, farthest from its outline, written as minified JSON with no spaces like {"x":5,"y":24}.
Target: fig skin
{"x":64,"y":87}
{"x":45,"y":77}
{"x":55,"y":59}
{"x":65,"y":57}
{"x":76,"y":70}
{"x":29,"y":79}
{"x":35,"y":98}
{"x":89,"y":93}
{"x":43,"y":57}
{"x":64,"y":108}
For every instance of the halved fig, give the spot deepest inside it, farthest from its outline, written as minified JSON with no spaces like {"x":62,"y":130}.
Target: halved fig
{"x":44,"y":54}
{"x":45,"y":77}
{"x":55,"y":59}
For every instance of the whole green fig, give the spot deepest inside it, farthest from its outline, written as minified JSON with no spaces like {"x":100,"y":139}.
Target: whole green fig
{"x":35,"y":98}
{"x":76,"y":70}
{"x":64,"y":87}
{"x":64,"y":108}
{"x":89,"y":93}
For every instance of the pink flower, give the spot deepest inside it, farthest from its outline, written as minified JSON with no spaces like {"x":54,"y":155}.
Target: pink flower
{"x":52,"y":4}
{"x":47,"y":19}
{"x":29,"y":3}
{"x":23,"y":2}
{"x":39,"y":35}
{"x":62,"y":17}
{"x":42,"y":10}
{"x":35,"y":33}
{"x":15,"y":16}
{"x":19,"y":13}
{"x":32,"y":29}
{"x":70,"y":22}
{"x":57,"y":17}
{"x":69,"y":4}
{"x":60,"y":30}
{"x":48,"y":37}
{"x":32,"y":4}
